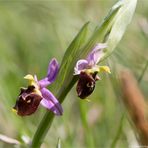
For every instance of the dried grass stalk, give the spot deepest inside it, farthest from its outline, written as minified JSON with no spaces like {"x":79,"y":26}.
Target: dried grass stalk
{"x":136,"y":106}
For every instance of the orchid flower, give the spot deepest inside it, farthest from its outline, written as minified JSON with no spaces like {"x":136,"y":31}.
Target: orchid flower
{"x":87,"y":69}
{"x":37,"y":93}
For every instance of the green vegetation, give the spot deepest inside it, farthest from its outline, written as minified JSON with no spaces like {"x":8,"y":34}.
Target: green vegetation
{"x":33,"y":32}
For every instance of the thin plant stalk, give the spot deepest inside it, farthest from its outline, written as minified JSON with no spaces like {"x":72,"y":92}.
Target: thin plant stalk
{"x":143,"y":72}
{"x":118,"y":133}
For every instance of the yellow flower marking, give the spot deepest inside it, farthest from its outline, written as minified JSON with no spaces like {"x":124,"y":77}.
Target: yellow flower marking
{"x":31,"y":79}
{"x":34,"y":83}
{"x":104,"y":69}
{"x":14,"y":110}
{"x":88,"y":100}
{"x":98,"y":69}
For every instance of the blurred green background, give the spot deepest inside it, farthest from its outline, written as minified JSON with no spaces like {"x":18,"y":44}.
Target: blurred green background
{"x":31,"y":33}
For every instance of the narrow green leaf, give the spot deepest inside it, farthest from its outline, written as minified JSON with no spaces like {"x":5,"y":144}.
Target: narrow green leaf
{"x":143,"y":72}
{"x":118,"y":132}
{"x":101,"y":31}
{"x":121,"y":21}
{"x":65,"y":75}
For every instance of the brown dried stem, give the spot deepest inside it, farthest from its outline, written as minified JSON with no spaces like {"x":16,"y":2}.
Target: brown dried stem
{"x":136,"y":106}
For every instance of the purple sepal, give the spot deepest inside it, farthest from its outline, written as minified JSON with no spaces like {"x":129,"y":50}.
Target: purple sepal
{"x":96,"y":54}
{"x":53,"y":69}
{"x":80,"y":65}
{"x":44,"y":83}
{"x":50,"y":102}
{"x":92,"y":59}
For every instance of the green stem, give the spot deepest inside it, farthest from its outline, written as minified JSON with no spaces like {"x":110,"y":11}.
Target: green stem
{"x":42,"y":129}
{"x":119,"y":130}
{"x":87,"y":131}
{"x":46,"y":122}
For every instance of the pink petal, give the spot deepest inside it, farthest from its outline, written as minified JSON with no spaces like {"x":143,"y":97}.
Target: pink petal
{"x":50,"y":102}
{"x":80,"y":65}
{"x":96,"y":54}
{"x":53,"y":69}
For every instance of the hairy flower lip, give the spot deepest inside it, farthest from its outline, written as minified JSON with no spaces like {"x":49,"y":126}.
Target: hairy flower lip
{"x":28,"y":104}
{"x":85,"y":85}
